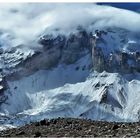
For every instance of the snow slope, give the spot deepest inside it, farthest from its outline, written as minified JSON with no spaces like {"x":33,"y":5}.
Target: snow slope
{"x":105,"y":96}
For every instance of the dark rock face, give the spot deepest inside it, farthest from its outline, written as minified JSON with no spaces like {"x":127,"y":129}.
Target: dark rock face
{"x":72,"y":47}
{"x":48,"y":41}
{"x":75,"y":47}
{"x":117,"y":61}
{"x":68,"y":49}
{"x":3,"y":87}
{"x":98,"y":60}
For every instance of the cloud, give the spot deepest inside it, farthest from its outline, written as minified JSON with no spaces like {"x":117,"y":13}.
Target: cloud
{"x":24,"y":22}
{"x":69,"y":16}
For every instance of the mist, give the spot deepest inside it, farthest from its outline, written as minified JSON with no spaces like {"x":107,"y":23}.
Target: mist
{"x":22,"y":23}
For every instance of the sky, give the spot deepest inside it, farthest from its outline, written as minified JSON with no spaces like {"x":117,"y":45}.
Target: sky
{"x":130,"y":6}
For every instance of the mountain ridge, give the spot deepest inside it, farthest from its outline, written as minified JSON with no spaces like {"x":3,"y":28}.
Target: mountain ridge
{"x":88,"y":74}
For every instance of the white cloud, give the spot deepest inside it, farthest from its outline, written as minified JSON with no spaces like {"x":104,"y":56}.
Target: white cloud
{"x":26,"y":21}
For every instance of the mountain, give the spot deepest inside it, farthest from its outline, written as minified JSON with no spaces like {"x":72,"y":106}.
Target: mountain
{"x":86,"y":72}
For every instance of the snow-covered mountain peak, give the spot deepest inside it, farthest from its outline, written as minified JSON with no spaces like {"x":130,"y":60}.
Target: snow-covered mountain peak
{"x":80,"y":68}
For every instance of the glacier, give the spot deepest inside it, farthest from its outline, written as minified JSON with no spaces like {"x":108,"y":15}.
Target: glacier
{"x":49,"y":73}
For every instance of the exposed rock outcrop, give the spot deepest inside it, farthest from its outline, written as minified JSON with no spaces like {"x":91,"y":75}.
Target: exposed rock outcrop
{"x":116,"y":61}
